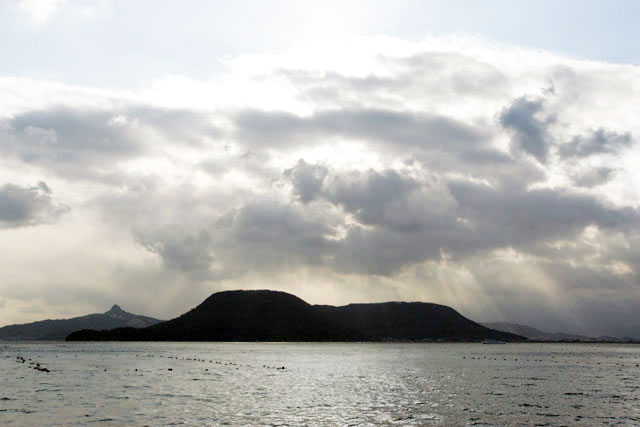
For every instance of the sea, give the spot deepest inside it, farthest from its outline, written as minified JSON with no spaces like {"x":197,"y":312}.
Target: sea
{"x":318,"y":384}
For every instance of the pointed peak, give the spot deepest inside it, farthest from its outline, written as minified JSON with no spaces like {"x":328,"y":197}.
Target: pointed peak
{"x":115,"y":309}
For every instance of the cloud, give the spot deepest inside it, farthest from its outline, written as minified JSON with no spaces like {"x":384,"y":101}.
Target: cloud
{"x":28,"y":206}
{"x":39,"y":11}
{"x":88,"y":143}
{"x":267,"y":234}
{"x":398,"y":220}
{"x":392,"y":200}
{"x":307,"y":180}
{"x":181,"y":250}
{"x":389,"y":170}
{"x":530,"y":132}
{"x":599,"y":141}
{"x":593,"y":177}
{"x":399,"y":129}
{"x":520,"y":219}
{"x":438,"y":76}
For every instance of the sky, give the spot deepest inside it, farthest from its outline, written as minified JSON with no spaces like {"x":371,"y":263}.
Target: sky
{"x":481,"y":155}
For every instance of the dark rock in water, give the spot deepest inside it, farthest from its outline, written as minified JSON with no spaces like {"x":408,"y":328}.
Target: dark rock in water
{"x":59,"y":329}
{"x":278,"y":316}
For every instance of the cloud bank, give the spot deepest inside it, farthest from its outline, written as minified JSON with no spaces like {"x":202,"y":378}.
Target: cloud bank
{"x":491,"y":178}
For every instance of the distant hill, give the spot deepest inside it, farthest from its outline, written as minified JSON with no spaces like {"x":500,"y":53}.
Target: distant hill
{"x":412,"y":321}
{"x":278,"y":316}
{"x":536,"y":334}
{"x":59,"y":329}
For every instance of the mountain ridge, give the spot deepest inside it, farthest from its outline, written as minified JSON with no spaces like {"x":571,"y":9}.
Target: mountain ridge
{"x":266,"y":315}
{"x":533,"y":333}
{"x":59,"y":329}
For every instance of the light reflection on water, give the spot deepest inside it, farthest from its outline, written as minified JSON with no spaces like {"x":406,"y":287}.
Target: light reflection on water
{"x":322,"y":384}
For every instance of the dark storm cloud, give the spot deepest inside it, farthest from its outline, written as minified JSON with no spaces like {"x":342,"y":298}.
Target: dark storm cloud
{"x":24,"y":206}
{"x":599,"y":141}
{"x":529,"y":130}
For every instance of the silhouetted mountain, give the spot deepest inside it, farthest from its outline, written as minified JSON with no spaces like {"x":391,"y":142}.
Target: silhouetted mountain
{"x":412,"y":321}
{"x":237,"y":316}
{"x":277,"y":316}
{"x":536,"y":334}
{"x":59,"y":329}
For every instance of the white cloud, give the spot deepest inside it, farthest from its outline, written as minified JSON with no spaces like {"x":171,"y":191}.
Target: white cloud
{"x":39,"y":11}
{"x":371,"y":169}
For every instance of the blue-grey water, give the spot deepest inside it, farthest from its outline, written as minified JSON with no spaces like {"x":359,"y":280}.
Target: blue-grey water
{"x":321,"y":384}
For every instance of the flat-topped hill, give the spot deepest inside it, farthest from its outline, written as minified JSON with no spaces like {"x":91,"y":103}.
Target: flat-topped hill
{"x":412,"y":321}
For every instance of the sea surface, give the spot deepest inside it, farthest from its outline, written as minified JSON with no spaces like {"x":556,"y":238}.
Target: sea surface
{"x":321,"y":384}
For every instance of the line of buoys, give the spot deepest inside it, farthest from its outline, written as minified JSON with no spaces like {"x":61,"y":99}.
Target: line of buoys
{"x":32,"y":363}
{"x":195,"y":359}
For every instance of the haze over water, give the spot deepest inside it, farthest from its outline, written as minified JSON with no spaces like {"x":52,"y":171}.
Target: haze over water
{"x":322,"y":384}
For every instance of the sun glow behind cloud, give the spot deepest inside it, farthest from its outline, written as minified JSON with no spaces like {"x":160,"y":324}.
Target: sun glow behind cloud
{"x":39,"y":11}
{"x":452,"y":169}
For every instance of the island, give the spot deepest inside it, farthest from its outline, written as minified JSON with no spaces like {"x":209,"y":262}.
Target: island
{"x":266,"y":315}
